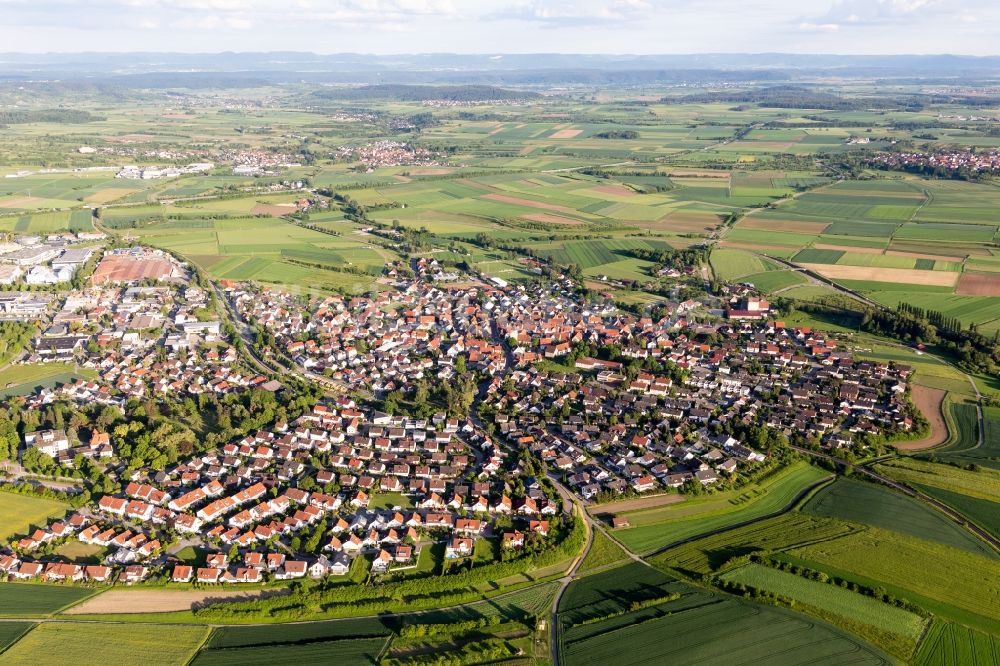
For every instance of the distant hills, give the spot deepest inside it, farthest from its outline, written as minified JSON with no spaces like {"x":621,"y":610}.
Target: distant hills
{"x":204,"y":69}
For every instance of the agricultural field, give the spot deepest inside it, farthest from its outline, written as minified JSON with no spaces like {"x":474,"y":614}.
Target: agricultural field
{"x":755,"y":633}
{"x":19,"y":512}
{"x":914,"y":569}
{"x":100,"y":644}
{"x":31,"y":600}
{"x":894,"y":626}
{"x":11,"y":631}
{"x":713,"y":553}
{"x":878,"y":506}
{"x":948,"y":643}
{"x":655,"y":528}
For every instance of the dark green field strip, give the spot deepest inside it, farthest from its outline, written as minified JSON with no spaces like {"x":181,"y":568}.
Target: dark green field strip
{"x":24,"y":599}
{"x":11,"y":631}
{"x":23,"y":223}
{"x":980,"y":511}
{"x":873,"y":229}
{"x":613,"y":591}
{"x":731,"y":632}
{"x":316,"y":653}
{"x":870,"y":504}
{"x":814,"y":256}
{"x":255,"y":636}
{"x":924,"y":264}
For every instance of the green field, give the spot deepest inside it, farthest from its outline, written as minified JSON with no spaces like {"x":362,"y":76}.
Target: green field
{"x":832,"y":600}
{"x":715,"y":633}
{"x":102,"y":644}
{"x":603,"y":552}
{"x":656,"y":528}
{"x":789,"y":530}
{"x":18,"y":513}
{"x":731,"y":265}
{"x":878,"y":506}
{"x":948,"y":643}
{"x":30,"y":600}
{"x":919,"y":570}
{"x":11,"y":631}
{"x":25,"y":379}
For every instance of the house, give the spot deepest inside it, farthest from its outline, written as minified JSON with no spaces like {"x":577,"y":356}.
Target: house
{"x":182,"y":574}
{"x":459,"y":547}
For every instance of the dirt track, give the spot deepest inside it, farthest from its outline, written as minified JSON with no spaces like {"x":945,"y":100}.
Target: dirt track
{"x":162,"y":601}
{"x":928,"y":401}
{"x":635,"y":504}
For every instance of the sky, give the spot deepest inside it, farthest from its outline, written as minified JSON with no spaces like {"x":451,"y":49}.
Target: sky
{"x":970,"y":27}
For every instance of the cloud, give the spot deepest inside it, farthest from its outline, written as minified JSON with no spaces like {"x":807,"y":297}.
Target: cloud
{"x":560,"y":13}
{"x":806,"y":26}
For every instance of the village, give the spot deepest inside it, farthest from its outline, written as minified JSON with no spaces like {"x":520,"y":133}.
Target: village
{"x":565,"y":394}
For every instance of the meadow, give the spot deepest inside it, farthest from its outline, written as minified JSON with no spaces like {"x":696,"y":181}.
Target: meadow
{"x":19,"y":513}
{"x":31,"y":600}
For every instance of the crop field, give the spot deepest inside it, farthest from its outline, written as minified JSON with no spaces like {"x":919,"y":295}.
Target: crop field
{"x":316,"y":652}
{"x":30,"y":600}
{"x":878,"y":506}
{"x":20,"y":512}
{"x":790,"y":530}
{"x":101,"y":644}
{"x":714,"y":633}
{"x":613,"y":591}
{"x":11,"y":631}
{"x":831,"y":599}
{"x":734,"y":264}
{"x":659,"y":527}
{"x":919,"y":570}
{"x":948,"y":643}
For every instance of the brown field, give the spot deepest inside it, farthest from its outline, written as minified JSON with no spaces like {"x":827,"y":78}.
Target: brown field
{"x":528,"y":203}
{"x":127,"y":269}
{"x":19,"y":202}
{"x":688,"y":222}
{"x":276,"y":210}
{"x":639,"y":504}
{"x":928,"y":401}
{"x":924,"y":255}
{"x":978,"y":284}
{"x":429,"y":171}
{"x":848,"y":248}
{"x":548,"y":218}
{"x":752,"y":222}
{"x":162,"y":601}
{"x":565,"y":134}
{"x":618,"y":190}
{"x":876,"y":274}
{"x":109,"y":194}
